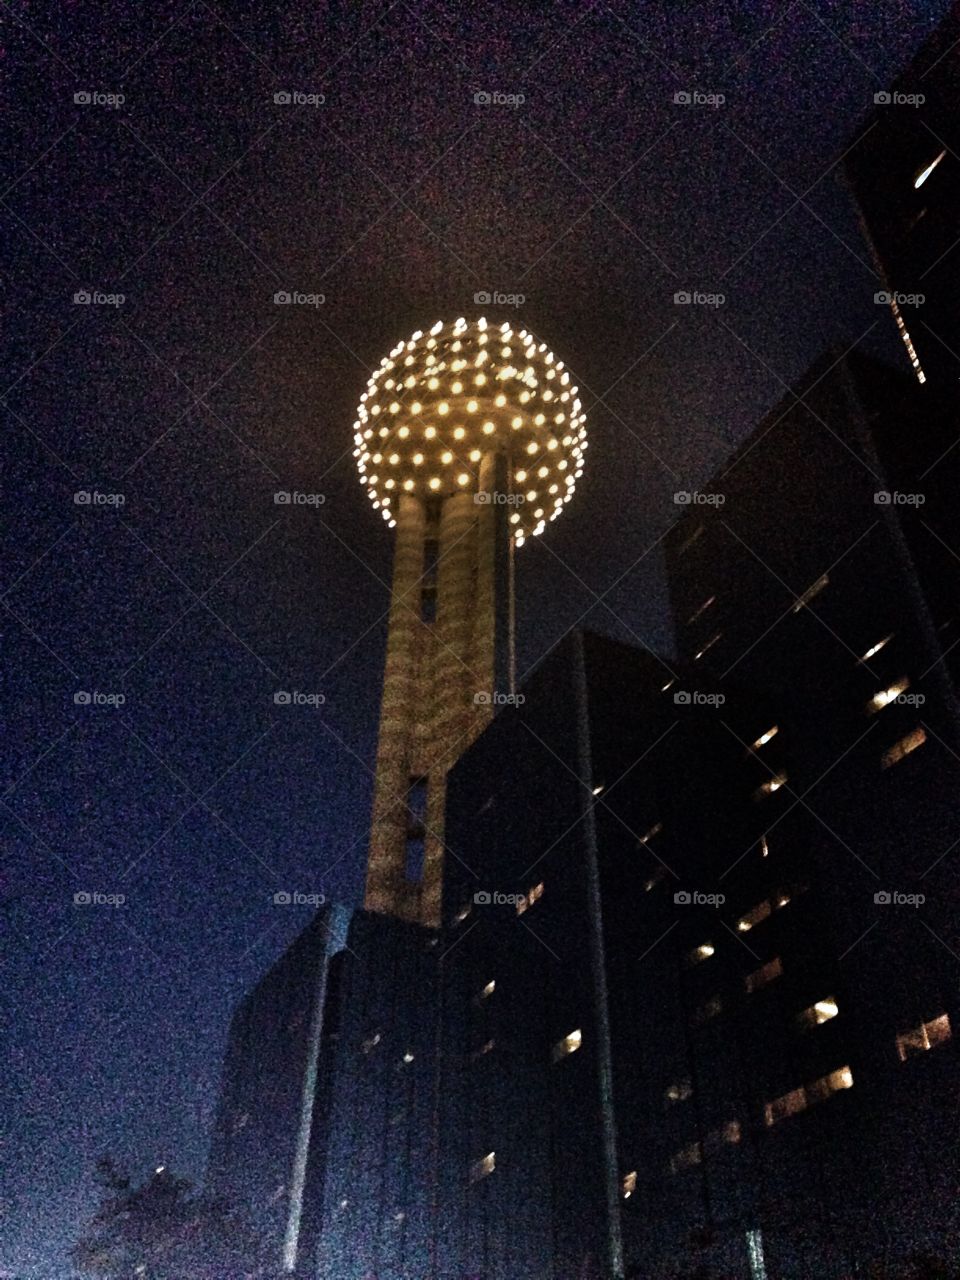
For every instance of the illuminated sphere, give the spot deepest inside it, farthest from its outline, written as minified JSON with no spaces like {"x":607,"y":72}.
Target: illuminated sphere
{"x":443,"y":399}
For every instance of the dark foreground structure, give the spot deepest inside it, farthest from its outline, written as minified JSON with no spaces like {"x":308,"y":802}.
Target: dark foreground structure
{"x":694,"y":999}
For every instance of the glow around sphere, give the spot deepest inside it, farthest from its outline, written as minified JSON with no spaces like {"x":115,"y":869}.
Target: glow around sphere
{"x":442,"y":400}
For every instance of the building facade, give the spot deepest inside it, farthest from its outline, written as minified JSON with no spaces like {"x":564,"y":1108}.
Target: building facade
{"x":903,"y":168}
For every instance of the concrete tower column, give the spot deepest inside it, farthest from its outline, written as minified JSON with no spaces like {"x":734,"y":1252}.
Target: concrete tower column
{"x":386,"y":887}
{"x":454,"y":683}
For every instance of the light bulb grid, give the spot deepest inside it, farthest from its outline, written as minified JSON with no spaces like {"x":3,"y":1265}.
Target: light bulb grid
{"x":441,"y":400}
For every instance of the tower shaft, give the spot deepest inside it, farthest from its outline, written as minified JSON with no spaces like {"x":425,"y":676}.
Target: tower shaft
{"x":438,"y":688}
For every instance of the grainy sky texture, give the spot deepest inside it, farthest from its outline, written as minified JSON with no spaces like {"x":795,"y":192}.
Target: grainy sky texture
{"x":583,"y":188}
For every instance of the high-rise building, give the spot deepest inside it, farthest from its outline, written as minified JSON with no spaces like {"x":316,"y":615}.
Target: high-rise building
{"x":469,"y":439}
{"x":904,"y":169}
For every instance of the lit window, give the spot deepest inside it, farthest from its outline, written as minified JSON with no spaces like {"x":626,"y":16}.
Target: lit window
{"x":818,"y":1013}
{"x":679,"y":1091}
{"x":596,"y":790}
{"x":686,"y":1158}
{"x":703,"y":952}
{"x":658,"y":877}
{"x":665,"y":687}
{"x":369,"y":1045}
{"x":765,"y":738}
{"x":709,"y":645}
{"x":569,"y":1044}
{"x":533,"y":895}
{"x":706,"y":1011}
{"x":489,"y":989}
{"x":811,"y":591}
{"x":906,"y":339}
{"x":486,"y":1165}
{"x":727,"y":1133}
{"x":462,"y":913}
{"x":924,"y":173}
{"x":702,"y":609}
{"x":875,"y":648}
{"x":927,"y":1036}
{"x":886,"y":696}
{"x":799,"y":1099}
{"x":629,"y":1184}
{"x":788,"y":1104}
{"x":764,"y":847}
{"x":766,"y":973}
{"x":485,"y":1048}
{"x":408,"y":1058}
{"x":770,"y":786}
{"x":654,"y":831}
{"x":915,"y":738}
{"x":754,"y":916}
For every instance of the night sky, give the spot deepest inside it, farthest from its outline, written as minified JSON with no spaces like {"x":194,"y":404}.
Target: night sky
{"x":397,"y":198}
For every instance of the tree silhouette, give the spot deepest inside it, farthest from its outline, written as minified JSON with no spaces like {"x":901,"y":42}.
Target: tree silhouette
{"x":164,"y":1230}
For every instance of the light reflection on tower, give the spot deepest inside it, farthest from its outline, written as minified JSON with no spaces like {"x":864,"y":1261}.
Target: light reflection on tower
{"x":458,"y":430}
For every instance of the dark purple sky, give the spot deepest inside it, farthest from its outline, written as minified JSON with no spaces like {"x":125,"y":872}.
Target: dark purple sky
{"x":399,"y":198}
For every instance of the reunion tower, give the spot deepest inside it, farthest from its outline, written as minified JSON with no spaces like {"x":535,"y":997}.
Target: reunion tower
{"x":469,"y":438}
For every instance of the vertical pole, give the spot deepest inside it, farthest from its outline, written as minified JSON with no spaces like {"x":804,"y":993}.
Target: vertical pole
{"x":386,"y":888}
{"x":452,"y":692}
